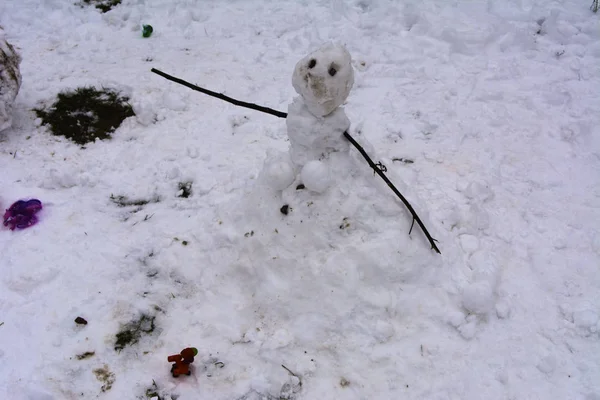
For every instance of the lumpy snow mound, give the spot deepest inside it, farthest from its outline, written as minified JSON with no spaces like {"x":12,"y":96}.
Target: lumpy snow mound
{"x":10,"y":80}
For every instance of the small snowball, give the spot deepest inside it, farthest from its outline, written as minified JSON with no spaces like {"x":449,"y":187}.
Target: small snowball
{"x":484,"y":267}
{"x":260,"y":383}
{"x":280,"y":338}
{"x":144,"y":113}
{"x":174,"y":173}
{"x":324,"y":78}
{"x":278,"y":172}
{"x":547,"y":364}
{"x":468,"y":330}
{"x":456,"y":318}
{"x":478,"y":297}
{"x":502,"y":309}
{"x":383,"y":331}
{"x":316,"y":176}
{"x":469,"y":243}
{"x":279,"y":175}
{"x":478,"y":217}
{"x":585,"y":319}
{"x":60,"y":180}
{"x":478,"y":191}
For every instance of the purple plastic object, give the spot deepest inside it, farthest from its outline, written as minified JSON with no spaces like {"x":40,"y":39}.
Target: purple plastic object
{"x":22,"y":214}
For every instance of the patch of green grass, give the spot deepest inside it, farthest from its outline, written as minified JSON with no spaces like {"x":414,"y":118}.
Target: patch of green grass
{"x":86,"y":113}
{"x":131,"y":333}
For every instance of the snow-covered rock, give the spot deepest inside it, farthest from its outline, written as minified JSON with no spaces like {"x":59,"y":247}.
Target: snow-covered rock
{"x":10,"y":80}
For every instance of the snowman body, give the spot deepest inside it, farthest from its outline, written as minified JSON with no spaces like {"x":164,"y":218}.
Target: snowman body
{"x":314,"y":138}
{"x":315,"y":122}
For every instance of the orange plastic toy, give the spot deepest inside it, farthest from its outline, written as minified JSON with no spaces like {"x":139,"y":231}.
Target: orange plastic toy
{"x":182,"y":361}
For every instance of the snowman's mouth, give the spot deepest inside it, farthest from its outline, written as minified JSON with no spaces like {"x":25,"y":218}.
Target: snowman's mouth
{"x":317,"y":86}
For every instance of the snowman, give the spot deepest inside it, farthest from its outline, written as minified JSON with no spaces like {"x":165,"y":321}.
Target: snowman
{"x":315,"y":122}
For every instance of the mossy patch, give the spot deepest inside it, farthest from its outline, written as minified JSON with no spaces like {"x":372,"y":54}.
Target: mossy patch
{"x":86,"y":113}
{"x":131,"y":333}
{"x":102,"y":5}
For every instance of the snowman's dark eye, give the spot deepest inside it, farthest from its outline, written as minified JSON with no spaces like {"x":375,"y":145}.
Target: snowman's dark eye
{"x":332,"y":70}
{"x":312,"y":63}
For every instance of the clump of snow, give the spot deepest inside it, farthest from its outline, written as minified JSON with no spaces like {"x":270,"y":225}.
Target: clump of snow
{"x":469,"y":243}
{"x":478,"y":297}
{"x":586,"y":320}
{"x":324,"y":78}
{"x":10,"y":80}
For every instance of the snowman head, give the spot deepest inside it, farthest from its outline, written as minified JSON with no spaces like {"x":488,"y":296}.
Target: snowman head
{"x":324,"y":78}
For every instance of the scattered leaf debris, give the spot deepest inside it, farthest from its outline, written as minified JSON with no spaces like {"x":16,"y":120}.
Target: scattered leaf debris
{"x":105,"y":376}
{"x":345,"y":223}
{"x":85,"y":355}
{"x":404,"y":160}
{"x":124,"y":201}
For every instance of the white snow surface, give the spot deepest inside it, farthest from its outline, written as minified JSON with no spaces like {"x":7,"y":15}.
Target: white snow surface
{"x":485,"y":114}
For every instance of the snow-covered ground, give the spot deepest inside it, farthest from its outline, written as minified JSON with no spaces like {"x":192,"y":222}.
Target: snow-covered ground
{"x":487,"y":117}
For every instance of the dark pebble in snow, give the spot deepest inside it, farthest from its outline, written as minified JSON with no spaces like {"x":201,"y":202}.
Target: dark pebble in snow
{"x":300,"y":187}
{"x":80,"y":321}
{"x":285,"y":209}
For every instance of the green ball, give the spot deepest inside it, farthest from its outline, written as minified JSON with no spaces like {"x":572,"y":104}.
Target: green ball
{"x":147,"y":30}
